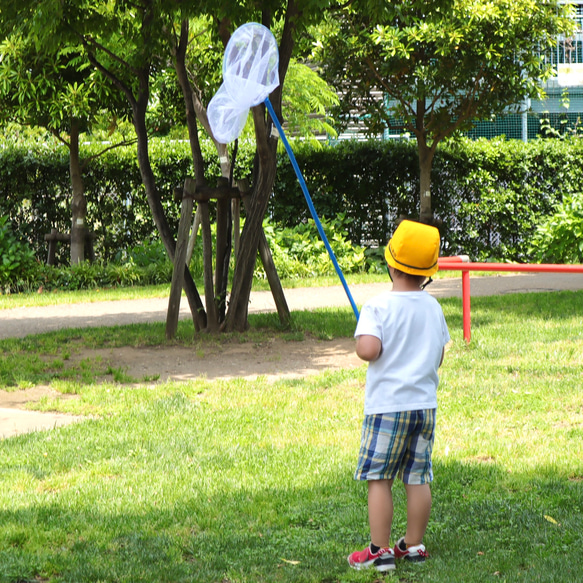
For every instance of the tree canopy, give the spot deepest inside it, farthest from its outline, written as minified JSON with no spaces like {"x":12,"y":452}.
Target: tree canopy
{"x":56,"y":89}
{"x":130,"y":44}
{"x":439,"y":65}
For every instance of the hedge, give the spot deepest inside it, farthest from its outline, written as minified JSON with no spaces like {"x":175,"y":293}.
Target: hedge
{"x":35,"y":191}
{"x":489,"y":195}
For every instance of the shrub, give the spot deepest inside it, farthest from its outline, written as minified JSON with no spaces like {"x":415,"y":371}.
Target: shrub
{"x":35,"y":190}
{"x":559,"y":238}
{"x":92,"y":276}
{"x":146,"y":253}
{"x":488,"y":195}
{"x":370,"y":183}
{"x":299,"y":252}
{"x":16,"y":258}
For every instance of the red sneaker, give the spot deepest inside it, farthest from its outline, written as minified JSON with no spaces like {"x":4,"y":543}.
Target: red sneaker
{"x":415,"y":554}
{"x":382,"y":560}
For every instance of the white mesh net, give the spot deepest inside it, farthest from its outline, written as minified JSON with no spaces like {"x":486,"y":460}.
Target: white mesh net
{"x":250,"y":74}
{"x":227,"y":118}
{"x":250,"y":64}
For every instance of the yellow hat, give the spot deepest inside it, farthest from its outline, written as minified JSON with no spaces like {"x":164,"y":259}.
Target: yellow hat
{"x":414,"y":249}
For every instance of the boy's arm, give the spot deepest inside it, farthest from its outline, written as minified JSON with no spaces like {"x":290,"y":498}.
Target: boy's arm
{"x":368,"y":347}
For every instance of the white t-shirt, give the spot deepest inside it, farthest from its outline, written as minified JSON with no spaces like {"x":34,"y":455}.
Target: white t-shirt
{"x":413,"y":333}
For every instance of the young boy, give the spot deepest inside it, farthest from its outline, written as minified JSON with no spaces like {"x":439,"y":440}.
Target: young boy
{"x":401,"y":334}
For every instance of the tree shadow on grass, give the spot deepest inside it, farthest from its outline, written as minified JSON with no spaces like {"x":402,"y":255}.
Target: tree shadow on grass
{"x":195,"y":521}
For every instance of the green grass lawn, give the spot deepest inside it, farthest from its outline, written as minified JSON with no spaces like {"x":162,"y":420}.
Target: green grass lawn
{"x":232,"y":482}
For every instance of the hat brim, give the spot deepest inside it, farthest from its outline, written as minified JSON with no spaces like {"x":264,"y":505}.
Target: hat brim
{"x":411,"y":269}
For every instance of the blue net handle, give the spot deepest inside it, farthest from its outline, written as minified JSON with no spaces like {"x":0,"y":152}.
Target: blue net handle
{"x":311,"y":204}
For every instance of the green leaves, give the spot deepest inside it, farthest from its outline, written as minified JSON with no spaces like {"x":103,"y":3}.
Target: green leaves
{"x":47,"y":88}
{"x":307,"y":100}
{"x":15,"y":257}
{"x":559,"y":238}
{"x":465,"y":59}
{"x":299,"y":252}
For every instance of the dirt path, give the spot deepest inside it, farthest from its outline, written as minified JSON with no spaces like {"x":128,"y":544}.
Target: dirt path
{"x":272,"y":359}
{"x":20,"y":322}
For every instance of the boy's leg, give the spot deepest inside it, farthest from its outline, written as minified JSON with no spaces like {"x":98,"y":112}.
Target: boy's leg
{"x":418,"y":511}
{"x":380,"y":516}
{"x":380,"y":511}
{"x":417,"y":474}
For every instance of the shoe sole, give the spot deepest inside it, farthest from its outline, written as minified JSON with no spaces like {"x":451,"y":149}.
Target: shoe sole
{"x":411,"y":559}
{"x":368,"y":564}
{"x":384,"y":568}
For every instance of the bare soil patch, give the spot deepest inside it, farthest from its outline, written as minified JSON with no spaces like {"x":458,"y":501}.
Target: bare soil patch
{"x":272,"y":359}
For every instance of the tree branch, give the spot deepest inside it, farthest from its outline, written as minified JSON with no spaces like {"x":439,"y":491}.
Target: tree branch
{"x":98,"y":46}
{"x":124,"y":142}
{"x":125,"y":89}
{"x":59,"y":137}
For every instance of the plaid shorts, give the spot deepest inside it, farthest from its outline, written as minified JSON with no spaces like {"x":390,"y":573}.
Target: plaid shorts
{"x":397,"y":444}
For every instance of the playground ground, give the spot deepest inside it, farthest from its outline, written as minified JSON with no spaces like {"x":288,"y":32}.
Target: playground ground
{"x":273,"y":359}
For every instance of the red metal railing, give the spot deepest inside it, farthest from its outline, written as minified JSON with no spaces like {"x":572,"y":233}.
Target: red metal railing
{"x":461,"y":263}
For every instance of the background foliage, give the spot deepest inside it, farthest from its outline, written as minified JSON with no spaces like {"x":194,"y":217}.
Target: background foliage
{"x":489,"y":195}
{"x":35,"y":191}
{"x":559,"y":237}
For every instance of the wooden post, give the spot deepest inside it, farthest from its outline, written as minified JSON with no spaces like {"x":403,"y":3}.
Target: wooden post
{"x":236,"y":211}
{"x":52,"y":239}
{"x":273,"y":279}
{"x":180,"y":259}
{"x":193,"y":234}
{"x":207,"y":246}
{"x":223,"y":250}
{"x":269,"y":266}
{"x":55,"y":237}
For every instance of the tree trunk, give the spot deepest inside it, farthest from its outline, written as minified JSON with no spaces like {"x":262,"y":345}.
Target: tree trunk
{"x":263,"y":180}
{"x":187,"y":94}
{"x":192,"y":295}
{"x":224,"y":236}
{"x":139,"y":104}
{"x":209,"y":288}
{"x":425,"y":154}
{"x":194,"y":110}
{"x":236,"y":318}
{"x":215,"y":311}
{"x":79,"y":201}
{"x":223,"y":255}
{"x":425,"y":165}
{"x":179,"y":260}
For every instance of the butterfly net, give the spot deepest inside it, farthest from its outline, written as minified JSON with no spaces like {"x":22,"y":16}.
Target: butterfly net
{"x":250,"y":74}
